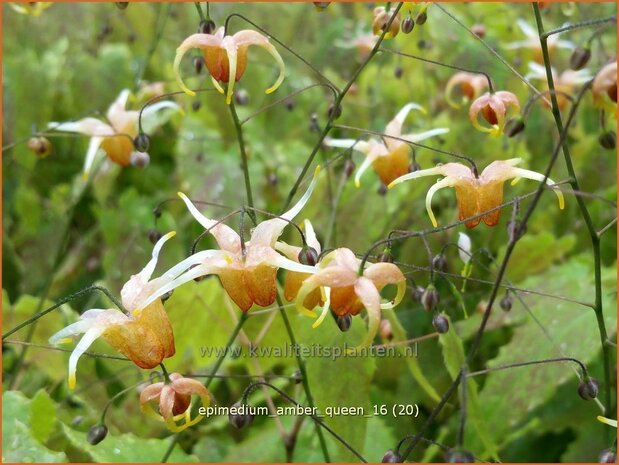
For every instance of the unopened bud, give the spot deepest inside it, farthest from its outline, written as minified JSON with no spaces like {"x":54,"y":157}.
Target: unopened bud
{"x":407,"y":25}
{"x":588,"y":388}
{"x":195,"y":105}
{"x":241,"y":97}
{"x":141,"y":142}
{"x":349,"y":167}
{"x":397,"y":72}
{"x":198,"y":64}
{"x":140,"y":159}
{"x":417,"y":293}
{"x":308,"y":256}
{"x":96,"y":434}
{"x":506,"y":302}
{"x":344,"y":322}
{"x":608,"y":140}
{"x":580,"y":57}
{"x":166,"y":296}
{"x":382,"y":190}
{"x":607,"y":456}
{"x":514,"y":126}
{"x":459,"y":456}
{"x":240,"y":420}
{"x":439,"y":263}
{"x":289,"y":104}
{"x":154,"y":235}
{"x":430,"y":298}
{"x":40,"y":146}
{"x":297,"y":377}
{"x":334,"y":112}
{"x":320,"y":6}
{"x":391,"y":457}
{"x":206,"y":26}
{"x":479,"y":30}
{"x":421,"y":18}
{"x":440,"y":323}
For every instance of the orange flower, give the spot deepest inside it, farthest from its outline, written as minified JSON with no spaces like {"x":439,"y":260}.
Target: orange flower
{"x":174,"y":401}
{"x":226,"y":57}
{"x":247,"y":271}
{"x":380,"y":21}
{"x":115,"y":135}
{"x":564,"y":83}
{"x":389,"y":157}
{"x":493,"y":108}
{"x":469,"y":86}
{"x":144,"y":335}
{"x":294,"y":279}
{"x":605,"y":85}
{"x":477,"y":195}
{"x":347,"y":293}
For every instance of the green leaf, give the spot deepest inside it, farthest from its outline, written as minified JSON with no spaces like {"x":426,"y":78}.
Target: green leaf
{"x":453,"y":353}
{"x":126,"y":447}
{"x":42,"y":415}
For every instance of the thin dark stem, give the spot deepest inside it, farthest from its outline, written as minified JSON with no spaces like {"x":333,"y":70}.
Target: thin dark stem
{"x":466,"y":70}
{"x":583,"y":368}
{"x":319,"y":423}
{"x":60,"y":303}
{"x":337,"y":104}
{"x":62,"y":349}
{"x":239,"y":135}
{"x":569,"y":27}
{"x":200,"y":12}
{"x":304,"y":377}
{"x":463,"y":407}
{"x":595,"y":240}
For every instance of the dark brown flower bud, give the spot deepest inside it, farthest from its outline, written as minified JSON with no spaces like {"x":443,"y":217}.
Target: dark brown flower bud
{"x":417,"y":293}
{"x":385,"y":256}
{"x":580,"y":57}
{"x":349,"y":167}
{"x":40,"y":146}
{"x":206,"y":26}
{"x":198,"y":64}
{"x":391,"y":457}
{"x":334,"y":111}
{"x":407,"y":25}
{"x":344,"y":322}
{"x":96,"y":434}
{"x":195,"y":105}
{"x":320,"y":6}
{"x":459,"y":456}
{"x":240,"y":420}
{"x":382,"y":190}
{"x":308,"y":256}
{"x":430,"y":298}
{"x":154,"y":235}
{"x":439,"y":263}
{"x":141,"y":142}
{"x":297,"y":377}
{"x":506,"y":302}
{"x":479,"y":30}
{"x":440,"y":323}
{"x":421,"y":18}
{"x":241,"y":97}
{"x":385,"y":330}
{"x":608,"y":140}
{"x":514,"y":126}
{"x":588,"y":388}
{"x":397,"y":72}
{"x":289,"y":104}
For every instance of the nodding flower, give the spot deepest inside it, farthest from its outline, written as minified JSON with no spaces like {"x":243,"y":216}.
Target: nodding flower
{"x":564,"y":83}
{"x":226,"y":57}
{"x":114,"y":137}
{"x":31,"y":8}
{"x":347,"y":293}
{"x":469,"y":86}
{"x":477,"y":195}
{"x":604,"y":88}
{"x":247,"y":270}
{"x":493,"y":107}
{"x":532,"y":42}
{"x":173,"y":401}
{"x":380,"y":21}
{"x":144,"y":335}
{"x":294,"y":279}
{"x":389,"y":157}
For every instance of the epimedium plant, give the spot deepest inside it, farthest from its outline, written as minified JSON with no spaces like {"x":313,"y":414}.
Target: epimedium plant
{"x":340,"y":243}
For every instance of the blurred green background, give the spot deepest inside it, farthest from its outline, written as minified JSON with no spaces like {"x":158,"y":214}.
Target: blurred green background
{"x":60,"y":236}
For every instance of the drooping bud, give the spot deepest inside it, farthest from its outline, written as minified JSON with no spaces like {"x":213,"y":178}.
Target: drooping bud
{"x":154,"y":235}
{"x":96,"y":434}
{"x":440,"y":323}
{"x":385,"y":256}
{"x":240,"y":420}
{"x":459,"y":456}
{"x":344,"y":322}
{"x":40,"y":146}
{"x":198,"y":64}
{"x":195,"y":105}
{"x":166,"y":296}
{"x":514,"y":126}
{"x":506,"y":302}
{"x":407,"y":25}
{"x":479,"y":30}
{"x":421,"y":18}
{"x":607,"y":456}
{"x":297,"y":377}
{"x":308,"y":256}
{"x":417,"y":293}
{"x":349,"y":167}
{"x":140,"y":159}
{"x":397,"y":72}
{"x":206,"y":26}
{"x":580,"y":57}
{"x":289,"y":104}
{"x":391,"y":457}
{"x":608,"y":140}
{"x":439,"y":263}
{"x":382,"y":190}
{"x":241,"y":97}
{"x":141,"y":142}
{"x":334,"y":111}
{"x":430,"y":298}
{"x":588,"y":388}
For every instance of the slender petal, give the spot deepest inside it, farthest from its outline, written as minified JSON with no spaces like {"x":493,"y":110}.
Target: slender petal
{"x":424,"y":135}
{"x":436,"y":171}
{"x":201,"y":41}
{"x":93,"y":147}
{"x":446,"y":182}
{"x":82,"y":346}
{"x":394,"y":128}
{"x":248,"y":37}
{"x":522,"y":173}
{"x":231,"y":52}
{"x":355,"y":144}
{"x":367,"y":162}
{"x":370,"y":298}
{"x":282,"y":262}
{"x":325,"y":309}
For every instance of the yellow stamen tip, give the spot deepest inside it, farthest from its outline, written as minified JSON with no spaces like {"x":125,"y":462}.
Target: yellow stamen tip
{"x":72,"y":382}
{"x":317,"y":170}
{"x":357,"y":183}
{"x":391,"y":184}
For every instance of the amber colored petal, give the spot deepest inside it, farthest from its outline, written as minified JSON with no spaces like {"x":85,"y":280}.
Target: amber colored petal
{"x":476,"y":107}
{"x":332,"y":276}
{"x":137,"y":342}
{"x":233,"y":282}
{"x":261,"y":284}
{"x":166,"y":402}
{"x":394,"y":165}
{"x":201,"y":41}
{"x":293,"y":283}
{"x":467,"y":197}
{"x":344,"y":301}
{"x":189,"y":386}
{"x":156,"y":319}
{"x":490,"y":196}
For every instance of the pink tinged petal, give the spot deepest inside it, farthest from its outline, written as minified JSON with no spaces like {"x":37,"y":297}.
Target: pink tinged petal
{"x":166,"y":402}
{"x":91,"y":153}
{"x":355,"y":144}
{"x":394,"y":128}
{"x":436,"y":171}
{"x":226,"y":237}
{"x":370,"y":298}
{"x":248,"y":37}
{"x":151,"y":392}
{"x":117,"y":108}
{"x":346,"y":258}
{"x":87,"y":126}
{"x":147,"y":272}
{"x":201,"y":41}
{"x":267,"y":232}
{"x":367,"y":162}
{"x":424,"y":135}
